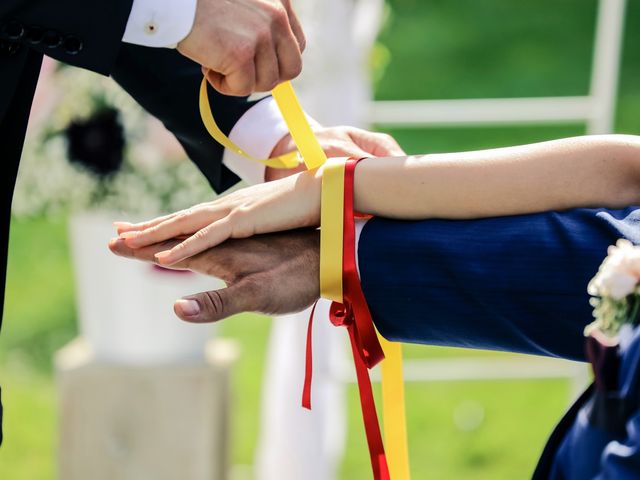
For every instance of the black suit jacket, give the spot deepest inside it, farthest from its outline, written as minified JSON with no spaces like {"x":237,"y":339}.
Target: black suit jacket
{"x":88,"y":34}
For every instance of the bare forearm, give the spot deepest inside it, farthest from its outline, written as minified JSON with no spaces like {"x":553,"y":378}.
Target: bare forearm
{"x":594,"y":171}
{"x":576,"y":172}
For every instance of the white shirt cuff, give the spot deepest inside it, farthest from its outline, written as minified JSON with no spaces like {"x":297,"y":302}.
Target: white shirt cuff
{"x":257,"y":132}
{"x":159,"y":23}
{"x":360,"y":223}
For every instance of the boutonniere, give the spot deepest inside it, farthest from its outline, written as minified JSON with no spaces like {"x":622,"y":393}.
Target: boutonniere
{"x":615,"y":290}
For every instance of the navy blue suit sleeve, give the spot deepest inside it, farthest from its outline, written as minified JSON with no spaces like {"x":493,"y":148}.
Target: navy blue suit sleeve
{"x":515,"y":283}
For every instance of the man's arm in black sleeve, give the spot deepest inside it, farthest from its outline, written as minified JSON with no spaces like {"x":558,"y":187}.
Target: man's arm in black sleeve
{"x":83,"y":33}
{"x":167,"y":85}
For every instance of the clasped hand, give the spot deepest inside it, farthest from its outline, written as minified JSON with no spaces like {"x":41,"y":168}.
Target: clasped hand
{"x":272,"y":273}
{"x":284,"y":204}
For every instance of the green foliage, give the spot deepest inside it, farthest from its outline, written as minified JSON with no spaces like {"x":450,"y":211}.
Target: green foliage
{"x":39,"y":314}
{"x":515,"y":419}
{"x":28,"y":451}
{"x":496,"y":48}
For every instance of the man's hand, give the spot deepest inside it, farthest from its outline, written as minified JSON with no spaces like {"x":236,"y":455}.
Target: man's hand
{"x":340,"y":142}
{"x":245,"y":45}
{"x":274,"y":274}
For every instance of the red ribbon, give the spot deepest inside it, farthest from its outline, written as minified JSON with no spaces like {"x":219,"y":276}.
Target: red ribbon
{"x":355,"y":316}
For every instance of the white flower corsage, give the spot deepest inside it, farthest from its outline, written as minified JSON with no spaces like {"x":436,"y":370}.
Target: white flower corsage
{"x":615,"y":291}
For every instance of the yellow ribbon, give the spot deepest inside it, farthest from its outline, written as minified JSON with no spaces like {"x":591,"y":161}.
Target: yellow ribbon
{"x":307,"y":143}
{"x":290,"y":160}
{"x":331,"y":233}
{"x":331,"y":237}
{"x":393,"y":411}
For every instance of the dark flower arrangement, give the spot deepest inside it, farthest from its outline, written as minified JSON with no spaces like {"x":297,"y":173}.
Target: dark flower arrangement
{"x":97,"y":143}
{"x":93,"y":148}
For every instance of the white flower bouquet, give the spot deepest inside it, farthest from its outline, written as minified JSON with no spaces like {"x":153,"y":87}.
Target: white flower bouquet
{"x":90,"y":146}
{"x":615,"y":290}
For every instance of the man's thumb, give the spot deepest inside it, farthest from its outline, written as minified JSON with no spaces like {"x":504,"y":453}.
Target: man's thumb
{"x":207,"y":307}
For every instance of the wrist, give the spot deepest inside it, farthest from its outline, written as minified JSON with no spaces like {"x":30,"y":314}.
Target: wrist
{"x":369,"y":184}
{"x":309,"y":184}
{"x":284,"y":145}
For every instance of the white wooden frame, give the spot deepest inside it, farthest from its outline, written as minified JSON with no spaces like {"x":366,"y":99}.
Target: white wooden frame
{"x":596,"y":109}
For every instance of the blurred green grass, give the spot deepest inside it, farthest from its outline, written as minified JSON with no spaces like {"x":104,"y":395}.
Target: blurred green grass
{"x":438,"y":49}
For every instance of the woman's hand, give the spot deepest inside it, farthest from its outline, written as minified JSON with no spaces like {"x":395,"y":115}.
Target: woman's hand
{"x":288,"y":203}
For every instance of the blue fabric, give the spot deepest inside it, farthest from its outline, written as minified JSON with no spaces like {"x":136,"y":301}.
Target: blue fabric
{"x":594,"y":449}
{"x":621,"y":459}
{"x":513,"y":283}
{"x":581,"y":450}
{"x":518,"y":284}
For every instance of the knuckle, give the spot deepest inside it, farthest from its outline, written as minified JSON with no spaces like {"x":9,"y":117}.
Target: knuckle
{"x":236,"y":214}
{"x":242,"y":223}
{"x":345,"y":133}
{"x":243,"y":52}
{"x":261,"y":39}
{"x":292,"y":69}
{"x":183,"y":215}
{"x":263,"y":35}
{"x":302,"y":42}
{"x":150,"y":232}
{"x":200,"y":235}
{"x":389,"y":139}
{"x":214,"y":303}
{"x":277,"y":14}
{"x":221,"y":212}
{"x":244,"y":91}
{"x":268,"y":82}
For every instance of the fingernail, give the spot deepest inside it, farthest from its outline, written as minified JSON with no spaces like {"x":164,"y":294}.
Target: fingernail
{"x":189,"y":308}
{"x":126,"y":235}
{"x":162,"y":256}
{"x":122,"y":224}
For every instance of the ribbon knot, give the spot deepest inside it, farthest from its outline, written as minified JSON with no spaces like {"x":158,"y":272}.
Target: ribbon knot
{"x":340,"y":315}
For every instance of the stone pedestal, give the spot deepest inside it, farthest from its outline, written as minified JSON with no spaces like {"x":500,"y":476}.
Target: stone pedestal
{"x":163,"y":422}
